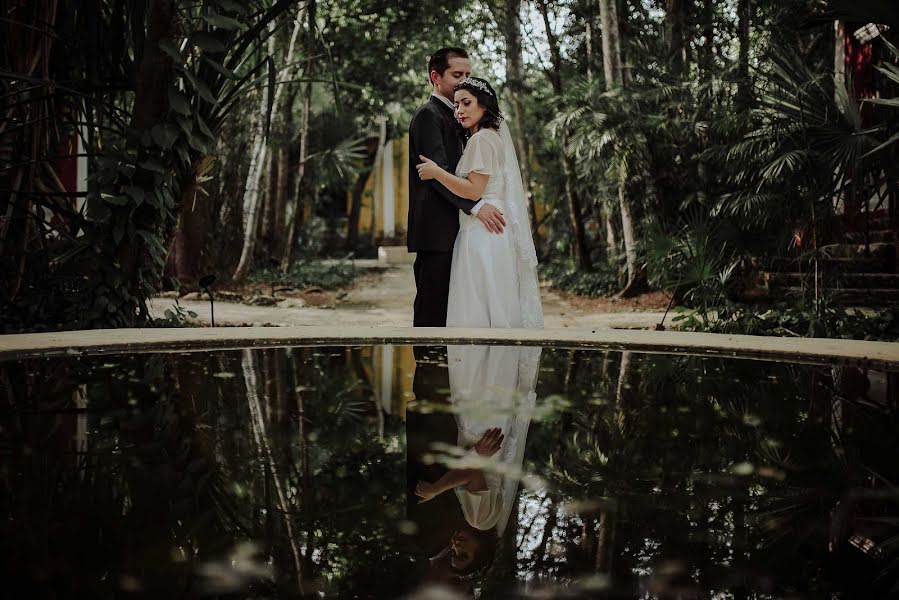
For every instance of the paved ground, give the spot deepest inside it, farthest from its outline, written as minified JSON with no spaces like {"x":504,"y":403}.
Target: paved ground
{"x":386,"y":299}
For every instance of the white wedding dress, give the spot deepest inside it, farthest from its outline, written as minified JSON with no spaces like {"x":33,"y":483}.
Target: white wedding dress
{"x":493,"y":283}
{"x":493,"y":278}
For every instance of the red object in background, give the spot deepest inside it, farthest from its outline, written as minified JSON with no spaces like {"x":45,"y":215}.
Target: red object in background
{"x":66,"y":167}
{"x":859,"y":61}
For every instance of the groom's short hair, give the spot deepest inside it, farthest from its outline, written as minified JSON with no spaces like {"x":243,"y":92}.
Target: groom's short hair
{"x":440,"y":60}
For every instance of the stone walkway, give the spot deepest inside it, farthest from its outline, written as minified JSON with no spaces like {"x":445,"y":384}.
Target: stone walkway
{"x":386,"y":300}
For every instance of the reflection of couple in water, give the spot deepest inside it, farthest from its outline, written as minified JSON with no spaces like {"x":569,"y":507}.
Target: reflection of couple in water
{"x":491,"y":399}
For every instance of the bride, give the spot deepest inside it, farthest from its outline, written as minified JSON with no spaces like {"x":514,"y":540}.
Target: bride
{"x":493,"y":278}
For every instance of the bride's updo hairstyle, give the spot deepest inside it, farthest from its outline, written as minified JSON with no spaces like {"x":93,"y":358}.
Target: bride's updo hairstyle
{"x":487,"y":99}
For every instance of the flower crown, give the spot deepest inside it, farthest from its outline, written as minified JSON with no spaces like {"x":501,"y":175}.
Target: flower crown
{"x":475,"y":83}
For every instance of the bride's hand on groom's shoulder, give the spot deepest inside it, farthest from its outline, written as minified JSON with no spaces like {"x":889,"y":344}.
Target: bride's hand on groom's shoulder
{"x":427,"y":169}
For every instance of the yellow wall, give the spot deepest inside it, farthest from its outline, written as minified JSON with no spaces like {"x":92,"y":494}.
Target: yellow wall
{"x":403,"y":371}
{"x":372,"y":196}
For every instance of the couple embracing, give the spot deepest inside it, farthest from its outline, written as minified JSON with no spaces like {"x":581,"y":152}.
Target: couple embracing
{"x":475,"y":264}
{"x":475,"y":267}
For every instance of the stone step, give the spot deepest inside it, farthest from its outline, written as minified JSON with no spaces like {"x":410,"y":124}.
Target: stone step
{"x":884,"y":250}
{"x":884,"y":222}
{"x":874,"y":236}
{"x":395,"y":255}
{"x":845,"y":280}
{"x":850,"y":296}
{"x":838,"y":265}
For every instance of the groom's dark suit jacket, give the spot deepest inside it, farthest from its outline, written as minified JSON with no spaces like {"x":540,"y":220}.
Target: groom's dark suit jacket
{"x":434,"y":210}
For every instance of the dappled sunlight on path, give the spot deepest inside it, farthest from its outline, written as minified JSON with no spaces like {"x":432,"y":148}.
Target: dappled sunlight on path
{"x":386,"y":299}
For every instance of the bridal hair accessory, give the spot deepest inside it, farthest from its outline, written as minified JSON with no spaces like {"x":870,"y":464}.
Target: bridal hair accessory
{"x":475,"y":83}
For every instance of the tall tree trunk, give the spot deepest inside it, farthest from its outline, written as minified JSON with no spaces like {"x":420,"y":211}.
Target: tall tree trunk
{"x":605,"y":540}
{"x":611,"y":237}
{"x":611,"y":52}
{"x":675,"y":17}
{"x":268,"y":204}
{"x":611,"y":44}
{"x":296,"y":210}
{"x":515,"y":83}
{"x":155,"y":76}
{"x":280,"y":199}
{"x":706,"y":56}
{"x":631,"y":286}
{"x":190,"y":232}
{"x":575,"y":213}
{"x":257,"y":160}
{"x":251,"y":192}
{"x":744,"y":83}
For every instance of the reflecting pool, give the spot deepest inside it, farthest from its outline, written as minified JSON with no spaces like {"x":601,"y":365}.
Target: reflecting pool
{"x":484,"y":471}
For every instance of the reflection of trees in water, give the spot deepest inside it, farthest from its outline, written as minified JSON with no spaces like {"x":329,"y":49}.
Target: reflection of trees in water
{"x":706,"y":474}
{"x":182,"y":464}
{"x":692,"y":474}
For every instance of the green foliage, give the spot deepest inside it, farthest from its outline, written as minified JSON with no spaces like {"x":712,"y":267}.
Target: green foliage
{"x":694,"y":261}
{"x":797,"y":320}
{"x":177,"y":316}
{"x":323,"y":274}
{"x":566,"y":276}
{"x":96,"y":267}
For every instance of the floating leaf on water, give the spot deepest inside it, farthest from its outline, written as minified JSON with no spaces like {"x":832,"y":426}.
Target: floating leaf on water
{"x":581,"y":507}
{"x":752,"y":420}
{"x":178,"y":554}
{"x":407,"y":527}
{"x":772,"y":473}
{"x":743,"y":468}
{"x":130,"y":583}
{"x":595,"y":582}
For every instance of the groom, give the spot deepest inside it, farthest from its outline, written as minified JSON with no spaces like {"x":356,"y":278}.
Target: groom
{"x":434,"y":210}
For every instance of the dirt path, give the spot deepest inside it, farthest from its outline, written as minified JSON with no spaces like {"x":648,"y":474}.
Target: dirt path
{"x":384,"y":297}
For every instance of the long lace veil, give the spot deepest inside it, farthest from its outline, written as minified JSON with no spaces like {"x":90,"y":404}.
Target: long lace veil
{"x":523,"y":241}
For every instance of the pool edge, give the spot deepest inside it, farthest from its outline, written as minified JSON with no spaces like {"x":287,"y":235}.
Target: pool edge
{"x":119,"y":341}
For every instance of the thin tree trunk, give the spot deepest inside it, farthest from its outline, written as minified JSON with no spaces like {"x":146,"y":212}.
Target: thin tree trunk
{"x":611,"y":237}
{"x":744,"y":84}
{"x":271,"y":186}
{"x":611,"y":51}
{"x":611,"y":44}
{"x":515,"y":83}
{"x":257,"y":160}
{"x":575,"y":214}
{"x":280,"y":199}
{"x":605,"y":539}
{"x":708,"y":35}
{"x":251,"y":194}
{"x":630,"y":240}
{"x":295,"y":212}
{"x":675,"y":18}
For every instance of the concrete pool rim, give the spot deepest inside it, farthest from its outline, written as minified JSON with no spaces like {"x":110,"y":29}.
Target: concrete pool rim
{"x":194,"y":339}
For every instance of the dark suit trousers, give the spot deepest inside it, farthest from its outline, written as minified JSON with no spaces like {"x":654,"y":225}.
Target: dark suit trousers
{"x":432,"y":277}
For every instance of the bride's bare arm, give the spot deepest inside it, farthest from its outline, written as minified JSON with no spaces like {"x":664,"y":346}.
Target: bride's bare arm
{"x":471,"y":479}
{"x":471,"y":188}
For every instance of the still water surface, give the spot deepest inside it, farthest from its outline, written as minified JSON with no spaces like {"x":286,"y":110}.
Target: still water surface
{"x":301,"y":472}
